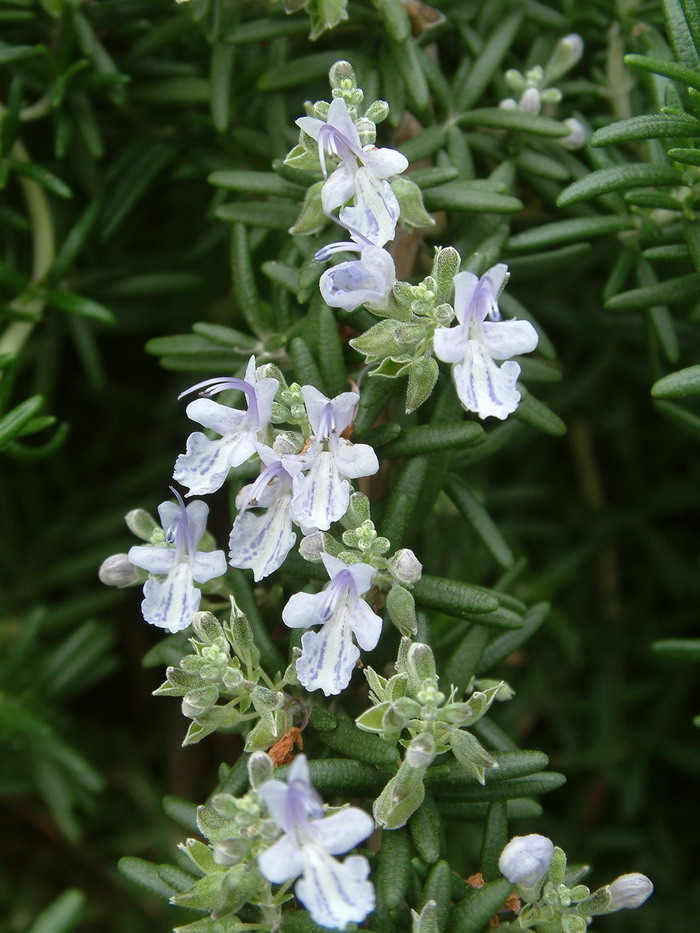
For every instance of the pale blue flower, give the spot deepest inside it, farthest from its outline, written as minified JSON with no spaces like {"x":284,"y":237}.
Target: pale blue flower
{"x":172,"y":602}
{"x":321,"y":496}
{"x":478,"y":339}
{"x":339,"y":137}
{"x":335,"y":893}
{"x":206,"y":463}
{"x":260,"y":541}
{"x":526,"y":859}
{"x":329,"y":655}
{"x":368,"y":280}
{"x":629,"y":891}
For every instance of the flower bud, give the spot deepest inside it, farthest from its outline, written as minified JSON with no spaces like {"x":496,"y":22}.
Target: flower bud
{"x":421,"y":752}
{"x":402,"y":610}
{"x":526,"y":859}
{"x":318,"y":542}
{"x":530,"y":101}
{"x":629,"y":890}
{"x":118,"y":571}
{"x":566,"y":54}
{"x":341,"y":71}
{"x":577,"y":136}
{"x":260,"y":769}
{"x":141,"y":524}
{"x":405,"y":566}
{"x":377,"y":111}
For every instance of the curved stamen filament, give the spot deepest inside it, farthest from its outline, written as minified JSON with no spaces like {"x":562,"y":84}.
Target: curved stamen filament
{"x":218,"y":384}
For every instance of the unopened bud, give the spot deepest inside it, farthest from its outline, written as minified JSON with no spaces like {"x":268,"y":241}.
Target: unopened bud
{"x":421,"y":663}
{"x":377,"y":111}
{"x":141,"y":524}
{"x":402,"y":610}
{"x":340,"y":72}
{"x":260,"y":769}
{"x":405,"y":566}
{"x":577,"y":136}
{"x":318,"y":542}
{"x":629,"y":890}
{"x":566,"y":54}
{"x":421,"y":752}
{"x":118,"y":571}
{"x":530,"y":101}
{"x":526,"y":859}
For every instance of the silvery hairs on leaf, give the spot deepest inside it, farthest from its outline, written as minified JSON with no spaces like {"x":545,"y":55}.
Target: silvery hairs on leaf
{"x":260,"y":541}
{"x":334,"y":893}
{"x":322,"y":495}
{"x":329,"y":655}
{"x":478,"y":339}
{"x":171,"y":603}
{"x":206,"y":463}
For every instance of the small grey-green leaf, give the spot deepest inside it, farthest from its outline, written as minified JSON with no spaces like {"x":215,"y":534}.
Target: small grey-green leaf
{"x":647,"y":126}
{"x":618,"y":178}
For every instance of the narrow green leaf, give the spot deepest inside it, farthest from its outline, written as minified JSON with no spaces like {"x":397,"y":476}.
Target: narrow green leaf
{"x":691,"y":235}
{"x":686,"y":156}
{"x":424,"y":144}
{"x":145,"y":875}
{"x":679,"y":33}
{"x":461,"y":196}
{"x":648,"y":126}
{"x":14,"y":421}
{"x":474,"y":911}
{"x":481,"y":522}
{"x":395,"y":19}
{"x":25,"y":454}
{"x":256,"y":183}
{"x":73,"y":244}
{"x":299,"y":71}
{"x":173,"y":92}
{"x":181,"y":812}
{"x":244,"y":286}
{"x":512,"y":766}
{"x":139,"y":166}
{"x":521,"y":808}
{"x":686,"y":421}
{"x":494,"y":839}
{"x":220,"y":85}
{"x":684,"y":288}
{"x":347,"y":739}
{"x":453,"y":598}
{"x":427,"y":831}
{"x":438,"y":890}
{"x":226,"y":336}
{"x":260,"y":30}
{"x":407,"y":58}
{"x":567,"y":231}
{"x":692,"y":18}
{"x":487,"y":63}
{"x":618,"y":178}
{"x":516,"y":121}
{"x":62,"y":915}
{"x":680,"y":384}
{"x":394,"y":870}
{"x":265,"y":214}
{"x":306,"y":370}
{"x":680,"y":649}
{"x":430,"y":177}
{"x":341,"y":776}
{"x":538,"y":415}
{"x":464,"y":659}
{"x":331,"y":361}
{"x":41,"y":176}
{"x":544,"y":263}
{"x":470,"y":791}
{"x":429,"y":438}
{"x":83,"y":307}
{"x":19,"y":53}
{"x":503,"y":646}
{"x":661,"y":66}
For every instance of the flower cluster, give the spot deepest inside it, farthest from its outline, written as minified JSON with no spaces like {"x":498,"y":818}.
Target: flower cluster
{"x":553,"y":897}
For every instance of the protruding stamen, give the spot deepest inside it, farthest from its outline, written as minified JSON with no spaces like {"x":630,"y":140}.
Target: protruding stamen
{"x":342,"y":246}
{"x":178,"y":532}
{"x":218,"y":384}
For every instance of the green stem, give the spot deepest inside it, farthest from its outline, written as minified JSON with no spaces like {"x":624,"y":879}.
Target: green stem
{"x":44,"y":250}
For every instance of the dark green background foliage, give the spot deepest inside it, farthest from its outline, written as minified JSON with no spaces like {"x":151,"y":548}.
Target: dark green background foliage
{"x":119,"y":111}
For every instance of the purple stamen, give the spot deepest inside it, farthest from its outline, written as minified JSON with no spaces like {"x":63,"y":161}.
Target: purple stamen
{"x":301,"y":802}
{"x":221,"y":384}
{"x":261,"y":483}
{"x":178,"y":532}
{"x":337,"y":145}
{"x":341,"y":584}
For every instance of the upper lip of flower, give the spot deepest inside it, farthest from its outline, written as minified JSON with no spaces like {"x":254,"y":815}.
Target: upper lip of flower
{"x":221,"y":384}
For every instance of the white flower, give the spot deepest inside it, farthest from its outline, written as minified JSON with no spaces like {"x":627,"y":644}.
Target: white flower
{"x":339,"y":137}
{"x":526,"y":859}
{"x":329,"y":655}
{"x":206,"y":463}
{"x":475,"y":342}
{"x":172,"y":602}
{"x":364,"y":281}
{"x":322,"y":495}
{"x":629,"y":890}
{"x":334,"y":893}
{"x":262,"y":541}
